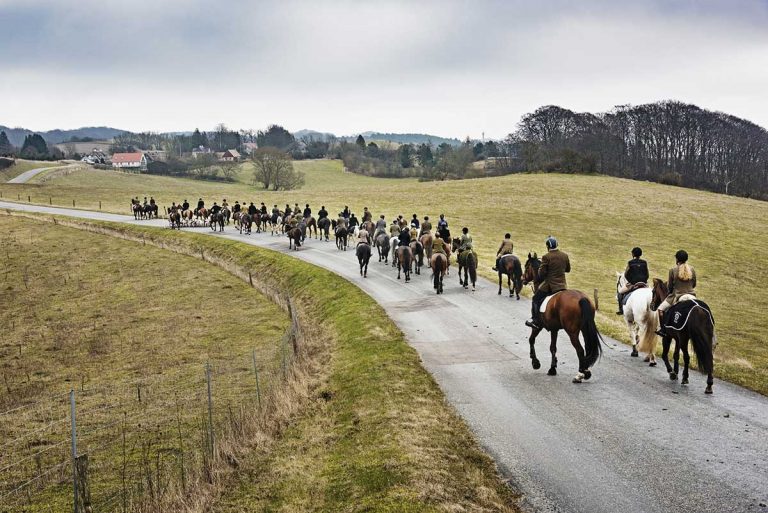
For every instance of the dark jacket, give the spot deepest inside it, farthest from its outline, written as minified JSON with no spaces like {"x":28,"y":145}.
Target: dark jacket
{"x":307,"y":212}
{"x":353,"y":221}
{"x":636,"y":271}
{"x":185,"y":206}
{"x":237,"y":207}
{"x":252,"y":210}
{"x":345,"y":213}
{"x":216,"y":209}
{"x":322,"y":214}
{"x":415,"y":223}
{"x":554,"y":265}
{"x":404,"y":237}
{"x":263,"y":210}
{"x":200,"y":204}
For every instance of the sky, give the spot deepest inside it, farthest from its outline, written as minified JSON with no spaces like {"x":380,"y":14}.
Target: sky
{"x":449,"y":68}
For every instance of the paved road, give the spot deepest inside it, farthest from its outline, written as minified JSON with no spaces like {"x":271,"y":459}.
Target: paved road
{"x":28,"y":175}
{"x":627,"y":441}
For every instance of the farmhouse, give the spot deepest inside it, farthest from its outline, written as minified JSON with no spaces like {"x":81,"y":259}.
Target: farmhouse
{"x":136,"y":161}
{"x":230,"y":156}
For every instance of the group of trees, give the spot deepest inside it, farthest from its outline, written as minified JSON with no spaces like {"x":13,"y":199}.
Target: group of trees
{"x":34,"y":147}
{"x":669,"y":142}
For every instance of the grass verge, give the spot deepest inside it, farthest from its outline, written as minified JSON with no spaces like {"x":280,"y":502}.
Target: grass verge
{"x":375,"y":433}
{"x":22,"y":166}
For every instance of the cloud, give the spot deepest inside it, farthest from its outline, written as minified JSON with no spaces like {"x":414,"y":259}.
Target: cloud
{"x":455,"y":67}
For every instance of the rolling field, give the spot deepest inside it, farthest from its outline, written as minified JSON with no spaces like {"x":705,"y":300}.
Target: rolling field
{"x":130,"y":329}
{"x":23,"y":165}
{"x":596,"y":219}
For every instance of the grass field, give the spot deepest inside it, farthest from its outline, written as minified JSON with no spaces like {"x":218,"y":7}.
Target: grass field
{"x":596,"y":219}
{"x":114,"y":320}
{"x":23,"y":165}
{"x":375,"y":433}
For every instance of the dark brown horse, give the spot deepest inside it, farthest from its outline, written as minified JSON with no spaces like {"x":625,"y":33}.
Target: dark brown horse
{"x":404,"y":258}
{"x":569,"y":310}
{"x":294,"y":238}
{"x":439,"y":263}
{"x":699,"y":330}
{"x":245,"y":222}
{"x":311,"y":223}
{"x":363,"y":253}
{"x":467,"y":261}
{"x":324,"y":225}
{"x":510,"y":265}
{"x":418,"y":255}
{"x":174,"y":217}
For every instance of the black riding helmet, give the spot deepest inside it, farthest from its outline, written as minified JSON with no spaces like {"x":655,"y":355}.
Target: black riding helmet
{"x":637,"y":252}
{"x":681,"y":256}
{"x":551,"y":242}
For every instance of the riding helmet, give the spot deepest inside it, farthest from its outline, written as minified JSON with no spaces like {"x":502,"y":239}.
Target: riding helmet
{"x":637,"y":252}
{"x":551,"y":242}
{"x":681,"y":256}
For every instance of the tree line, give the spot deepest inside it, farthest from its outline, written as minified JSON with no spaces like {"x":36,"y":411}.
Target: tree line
{"x":34,"y":147}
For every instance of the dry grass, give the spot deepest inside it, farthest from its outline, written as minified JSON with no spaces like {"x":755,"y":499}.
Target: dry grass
{"x":24,"y":165}
{"x":596,"y":219}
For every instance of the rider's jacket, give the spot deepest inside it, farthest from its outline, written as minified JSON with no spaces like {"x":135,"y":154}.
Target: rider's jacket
{"x":466,"y":242}
{"x":636,"y":271}
{"x":404,"y":237}
{"x":215,"y":209}
{"x":506,"y":248}
{"x":438,"y":246}
{"x":678,"y":286}
{"x":251,"y":209}
{"x":322,"y":214}
{"x":415,"y":223}
{"x":554,"y":265}
{"x":236,"y":208}
{"x":426,"y":226}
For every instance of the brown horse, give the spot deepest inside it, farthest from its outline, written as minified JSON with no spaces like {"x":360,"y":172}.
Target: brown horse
{"x":404,"y":258}
{"x":311,"y":225}
{"x":510,"y":265}
{"x":467,"y":261}
{"x":572,"y":311}
{"x":174,"y":217}
{"x":418,"y":255}
{"x":439,"y":264}
{"x":368,"y":226}
{"x":202,"y":213}
{"x":426,"y":241}
{"x":699,"y":330}
{"x":294,"y":238}
{"x":244,"y":223}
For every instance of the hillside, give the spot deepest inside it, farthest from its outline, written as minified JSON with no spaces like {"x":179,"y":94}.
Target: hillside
{"x":16,"y":135}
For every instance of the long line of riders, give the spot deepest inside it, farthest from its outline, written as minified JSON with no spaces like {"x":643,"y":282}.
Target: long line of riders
{"x":669,"y":309}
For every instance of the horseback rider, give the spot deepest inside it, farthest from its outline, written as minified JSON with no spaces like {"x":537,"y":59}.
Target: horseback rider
{"x":263,"y":209}
{"x":426,"y":226}
{"x":414,"y":233}
{"x":381,"y":226}
{"x":445,"y":233}
{"x":200,"y":204}
{"x":554,"y":265}
{"x":404,"y":237}
{"x":682,"y":281}
{"x":224,"y":204}
{"x":394,"y":228}
{"x":415,"y":221}
{"x":185,"y":205}
{"x":296,"y":209}
{"x":345,"y":213}
{"x":215,"y":209}
{"x":440,"y":246}
{"x":635,"y":273}
{"x":367,"y":215}
{"x":145,"y":201}
{"x":342,"y":221}
{"x":307,"y":211}
{"x":466,"y":240}
{"x":442,"y":223}
{"x":152,"y":201}
{"x":323,"y":213}
{"x":506,"y":248}
{"x":362,"y":237}
{"x":353,"y":221}
{"x":236,"y":208}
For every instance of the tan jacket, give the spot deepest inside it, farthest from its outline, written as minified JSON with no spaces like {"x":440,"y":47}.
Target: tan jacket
{"x":552,"y":271}
{"x":678,"y":287}
{"x":506,"y":247}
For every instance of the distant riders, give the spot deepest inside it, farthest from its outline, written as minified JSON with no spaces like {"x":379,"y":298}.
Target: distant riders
{"x":554,"y":265}
{"x":636,"y":275}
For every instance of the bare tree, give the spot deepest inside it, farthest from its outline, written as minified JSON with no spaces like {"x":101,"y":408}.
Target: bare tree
{"x":274,"y":169}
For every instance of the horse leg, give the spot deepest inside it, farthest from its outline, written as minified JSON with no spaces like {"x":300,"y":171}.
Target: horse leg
{"x":535,"y":363}
{"x":686,"y":358}
{"x":633,"y":335}
{"x":509,"y":285}
{"x":665,"y":343}
{"x":500,"y":283}
{"x":553,"y":349}
{"x":677,"y":356}
{"x":583,"y":372}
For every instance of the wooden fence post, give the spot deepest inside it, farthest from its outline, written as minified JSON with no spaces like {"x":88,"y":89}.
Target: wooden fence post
{"x":597,"y":303}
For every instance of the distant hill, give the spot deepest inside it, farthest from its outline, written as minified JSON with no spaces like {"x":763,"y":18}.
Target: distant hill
{"x":100,"y":133}
{"x":435,"y":140}
{"x":314,"y":134}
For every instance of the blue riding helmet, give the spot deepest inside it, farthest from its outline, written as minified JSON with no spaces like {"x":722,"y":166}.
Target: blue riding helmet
{"x":551,"y":242}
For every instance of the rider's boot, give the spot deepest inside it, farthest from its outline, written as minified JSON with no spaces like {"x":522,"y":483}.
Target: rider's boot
{"x":661,"y":331}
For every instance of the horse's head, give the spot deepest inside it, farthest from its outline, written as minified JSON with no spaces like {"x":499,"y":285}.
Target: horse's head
{"x":660,"y":293}
{"x":455,"y":243}
{"x":531,"y":273}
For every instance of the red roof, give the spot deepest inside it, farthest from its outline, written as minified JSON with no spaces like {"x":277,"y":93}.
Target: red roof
{"x":127,"y":157}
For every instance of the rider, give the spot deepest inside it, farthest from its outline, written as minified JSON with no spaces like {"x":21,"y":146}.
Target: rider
{"x":307,"y":211}
{"x":551,"y":277}
{"x":263,"y":209}
{"x":185,"y":205}
{"x":442,"y":223}
{"x":224,"y":203}
{"x":505,"y":248}
{"x":682,"y":280}
{"x":353,"y":221}
{"x":394,"y":228}
{"x":466,"y":240}
{"x":415,"y":221}
{"x":145,"y":201}
{"x":323,"y":213}
{"x":215,"y":209}
{"x":345,"y":212}
{"x":362,"y":237}
{"x":296,"y":209}
{"x":445,"y":233}
{"x":439,"y":246}
{"x":367,"y":215}
{"x":252,"y":209}
{"x":405,"y":237}
{"x":288,"y":210}
{"x":236,"y":208}
{"x":381,"y":226}
{"x":152,"y":201}
{"x":636,"y":272}
{"x":200,"y":204}
{"x":426,"y":226}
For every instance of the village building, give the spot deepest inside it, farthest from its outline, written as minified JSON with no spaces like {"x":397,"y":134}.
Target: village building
{"x":136,"y":161}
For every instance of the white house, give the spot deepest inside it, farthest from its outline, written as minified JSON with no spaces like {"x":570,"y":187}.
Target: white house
{"x":131,"y":161}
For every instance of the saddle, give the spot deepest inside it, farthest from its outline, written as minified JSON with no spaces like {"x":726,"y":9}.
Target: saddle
{"x":462,"y":257}
{"x":631,"y":289}
{"x":676,"y":317}
{"x":543,"y":307}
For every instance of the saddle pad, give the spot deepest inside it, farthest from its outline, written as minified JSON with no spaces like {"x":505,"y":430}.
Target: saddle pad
{"x":544,"y":303}
{"x":677,"y":316}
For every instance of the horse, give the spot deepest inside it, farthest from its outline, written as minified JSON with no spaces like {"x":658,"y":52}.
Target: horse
{"x":294,"y":238}
{"x":311,"y":223}
{"x":217,"y":220}
{"x":426,"y":240}
{"x":369,"y":226}
{"x":226,"y":213}
{"x":569,"y":310}
{"x":201,"y":213}
{"x":394,"y":242}
{"x":417,"y":250}
{"x":187,"y":216}
{"x":381,"y":241}
{"x":150,"y":209}
{"x":341,"y":237}
{"x":363,"y":253}
{"x":245,"y":223}
{"x":174,"y":217}
{"x":469,"y":266}
{"x":439,"y":268}
{"x":642,"y":323}
{"x":276,"y":225}
{"x":699,"y":330}
{"x":138,"y":211}
{"x":510,"y":265}
{"x":236,"y":218}
{"x":404,"y":259}
{"x":324,"y":225}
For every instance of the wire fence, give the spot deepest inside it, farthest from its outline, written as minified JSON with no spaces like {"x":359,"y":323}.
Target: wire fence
{"x":138,"y":444}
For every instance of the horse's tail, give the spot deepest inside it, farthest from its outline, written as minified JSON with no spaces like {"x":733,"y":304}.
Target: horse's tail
{"x":472,"y":267}
{"x":517,"y":274}
{"x":647,"y":333}
{"x":589,"y":331}
{"x":702,"y":342}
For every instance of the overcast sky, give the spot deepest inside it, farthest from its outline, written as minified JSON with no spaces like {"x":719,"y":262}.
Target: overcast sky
{"x":449,"y":68}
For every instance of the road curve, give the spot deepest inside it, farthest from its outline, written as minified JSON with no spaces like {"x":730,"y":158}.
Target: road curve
{"x":28,"y":175}
{"x":627,"y":441}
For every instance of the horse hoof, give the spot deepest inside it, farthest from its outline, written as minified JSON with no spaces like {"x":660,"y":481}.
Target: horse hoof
{"x":552,"y":372}
{"x":652,"y":364}
{"x":518,"y":298}
{"x":578,"y":378}
{"x":536,"y":364}
{"x":587,"y":374}
{"x":673,"y":376}
{"x":647,"y":359}
{"x":684,"y":381}
{"x":708,"y":390}
{"x":634,"y":353}
{"x":499,"y":292}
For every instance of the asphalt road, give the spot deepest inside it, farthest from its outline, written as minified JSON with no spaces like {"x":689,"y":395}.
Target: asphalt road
{"x":629,"y":440}
{"x":28,"y":175}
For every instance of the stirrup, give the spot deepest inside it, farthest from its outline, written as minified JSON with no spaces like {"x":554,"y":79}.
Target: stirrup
{"x":531,"y":323}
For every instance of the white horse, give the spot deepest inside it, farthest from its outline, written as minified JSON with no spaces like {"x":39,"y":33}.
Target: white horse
{"x":394,"y":242}
{"x":641,"y":321}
